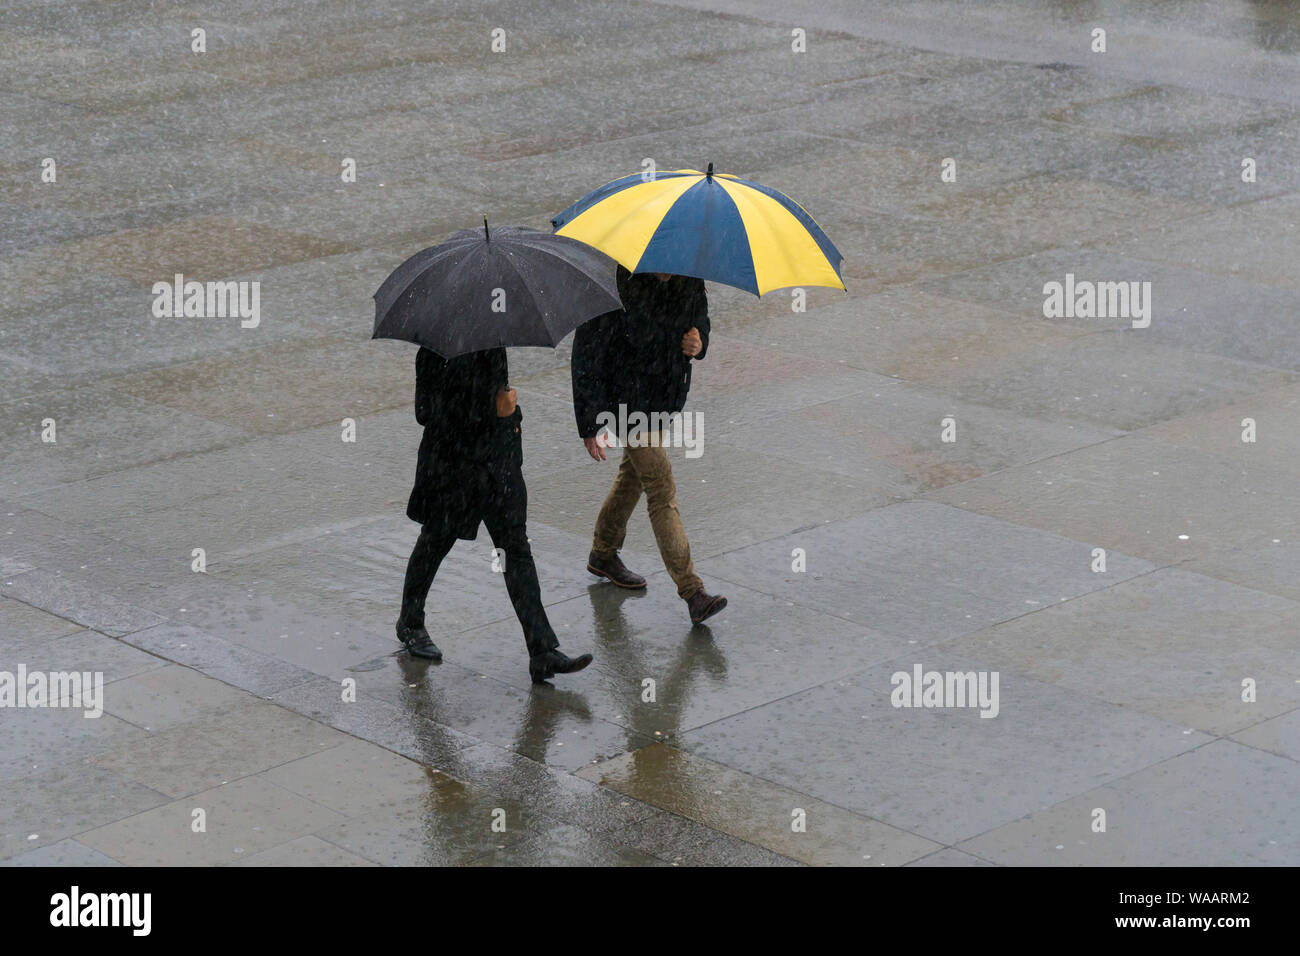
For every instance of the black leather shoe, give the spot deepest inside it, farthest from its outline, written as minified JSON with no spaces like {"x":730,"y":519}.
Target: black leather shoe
{"x":418,"y":642}
{"x":614,"y":569}
{"x":543,"y":667}
{"x":703,"y":605}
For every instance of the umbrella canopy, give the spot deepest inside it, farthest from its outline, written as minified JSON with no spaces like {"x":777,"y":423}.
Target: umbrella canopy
{"x":508,"y":286}
{"x":710,"y":225}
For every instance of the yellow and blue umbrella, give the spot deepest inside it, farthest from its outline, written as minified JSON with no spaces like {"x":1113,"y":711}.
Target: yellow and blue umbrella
{"x":710,"y":225}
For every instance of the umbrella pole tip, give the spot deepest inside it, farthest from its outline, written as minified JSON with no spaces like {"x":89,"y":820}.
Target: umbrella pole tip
{"x":486,"y":235}
{"x":709,"y":174}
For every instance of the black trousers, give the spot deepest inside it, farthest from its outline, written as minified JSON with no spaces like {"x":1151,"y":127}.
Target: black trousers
{"x":510,"y":536}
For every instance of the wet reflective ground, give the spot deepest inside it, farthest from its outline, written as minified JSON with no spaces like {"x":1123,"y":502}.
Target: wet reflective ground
{"x":1160,"y":683}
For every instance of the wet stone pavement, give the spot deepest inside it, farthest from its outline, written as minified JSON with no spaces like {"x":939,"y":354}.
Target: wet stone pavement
{"x":1161,"y":687}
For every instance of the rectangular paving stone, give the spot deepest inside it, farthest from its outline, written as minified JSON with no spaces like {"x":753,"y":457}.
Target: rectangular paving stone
{"x":895,"y":436}
{"x":37,"y":740}
{"x":169,"y":696}
{"x":81,"y":652}
{"x":1256,"y":242}
{"x":1281,"y":735}
{"x":1190,"y":309}
{"x":99,"y":431}
{"x":238,"y":741}
{"x":907,"y":332}
{"x":40,"y":811}
{"x":124,"y":336}
{"x":1137,"y":496}
{"x":225,"y":661}
{"x":555,"y":726}
{"x":305,"y":851}
{"x":65,"y":853}
{"x":923,"y":572}
{"x":1219,"y":805}
{"x":942,"y":774}
{"x":452,"y":824}
{"x":683,"y":842}
{"x":1264,"y":564}
{"x":563,"y":845}
{"x":759,"y":649}
{"x":355,"y":778}
{"x":230,"y":500}
{"x":1222,"y":431}
{"x":559,"y":795}
{"x":370,"y":718}
{"x":756,"y":810}
{"x":241,"y":817}
{"x":203,"y":249}
{"x":26,"y":626}
{"x":358,"y":574}
{"x":949,"y":857}
{"x":75,"y":601}
{"x":284,"y":387}
{"x":1208,"y":637}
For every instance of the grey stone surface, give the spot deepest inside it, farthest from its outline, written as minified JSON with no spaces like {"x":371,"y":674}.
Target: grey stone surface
{"x":50,"y":591}
{"x":1155,"y":817}
{"x":943,"y":774}
{"x":935,"y":572}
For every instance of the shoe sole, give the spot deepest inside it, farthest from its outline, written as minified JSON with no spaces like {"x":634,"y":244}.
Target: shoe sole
{"x":617,"y":583}
{"x":718,"y":604}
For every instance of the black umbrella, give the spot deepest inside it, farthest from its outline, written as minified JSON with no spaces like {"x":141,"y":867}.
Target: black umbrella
{"x":510,"y":286}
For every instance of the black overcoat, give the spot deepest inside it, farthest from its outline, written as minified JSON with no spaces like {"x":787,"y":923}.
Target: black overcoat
{"x":633,"y":356}
{"x":470,"y":459}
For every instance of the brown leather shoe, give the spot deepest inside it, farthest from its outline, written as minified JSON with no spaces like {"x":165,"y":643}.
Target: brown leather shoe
{"x":703,"y":605}
{"x":614,"y":569}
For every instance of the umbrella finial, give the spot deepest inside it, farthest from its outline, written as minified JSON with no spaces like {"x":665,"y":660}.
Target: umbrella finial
{"x":487,"y":236}
{"x":709,"y":174}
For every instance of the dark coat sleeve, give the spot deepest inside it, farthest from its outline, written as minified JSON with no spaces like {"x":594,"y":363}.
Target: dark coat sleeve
{"x":700,"y":318}
{"x":589,"y":372}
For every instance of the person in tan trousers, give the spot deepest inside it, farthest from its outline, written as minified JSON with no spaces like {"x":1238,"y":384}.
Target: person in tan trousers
{"x":638,"y":360}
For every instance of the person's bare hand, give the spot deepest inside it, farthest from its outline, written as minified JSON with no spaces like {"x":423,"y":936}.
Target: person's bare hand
{"x":596,"y":446}
{"x":692,"y":344}
{"x":507,"y":400}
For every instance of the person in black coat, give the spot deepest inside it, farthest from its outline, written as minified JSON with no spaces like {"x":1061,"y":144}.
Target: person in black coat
{"x":470,"y":470}
{"x":637,"y":361}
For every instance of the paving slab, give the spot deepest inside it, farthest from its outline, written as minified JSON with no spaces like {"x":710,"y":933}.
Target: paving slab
{"x":1151,"y":500}
{"x":1281,"y":735}
{"x":305,"y":851}
{"x":68,"y":598}
{"x":42,"y":810}
{"x":557,"y":726}
{"x":782,"y":820}
{"x":896,"y":569}
{"x":65,"y":853}
{"x":239,"y":740}
{"x":1210,"y":637}
{"x":911,"y":761}
{"x":759,"y":649}
{"x":1171,"y":814}
{"x":98,"y":431}
{"x":241,"y":817}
